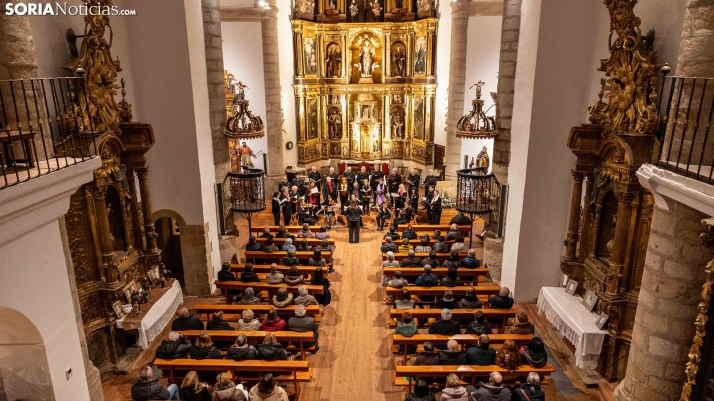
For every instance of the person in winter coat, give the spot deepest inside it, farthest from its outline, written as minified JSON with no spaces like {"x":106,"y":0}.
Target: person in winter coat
{"x":470,"y":300}
{"x":304,"y":298}
{"x":290,"y":259}
{"x":274,"y":277}
{"x":440,"y":246}
{"x":397,"y":282}
{"x":452,"y":355}
{"x":303,"y":323}
{"x":447,"y":301}
{"x":193,"y":390}
{"x":423,"y":246}
{"x":149,"y":388}
{"x":270,"y":246}
{"x":248,"y":322}
{"x":535,"y":354}
{"x":319,"y":278}
{"x":459,"y":245}
{"x":317,"y":259}
{"x":529,"y":391}
{"x":502,"y":300}
{"x":288,"y":245}
{"x":508,"y":357}
{"x":266,"y":390}
{"x":226,"y":390}
{"x":451,"y":279}
{"x":445,"y":325}
{"x":249,"y":297}
{"x":252,"y":245}
{"x":454,"y":233}
{"x":427,"y":279}
{"x":428,"y":356}
{"x":389,"y":245}
{"x":225,"y":274}
{"x":204,"y":349}
{"x":421,"y":392}
{"x":218,"y":323}
{"x":453,"y":261}
{"x":482,"y":354}
{"x":405,"y":247}
{"x":454,"y":391}
{"x":390,"y":262}
{"x":241,"y":351}
{"x":521,"y":325}
{"x":175,"y":347}
{"x":271,"y":350}
{"x":293,"y":277}
{"x":470,"y":261}
{"x":405,"y":300}
{"x":248,"y":275}
{"x":409,"y":233}
{"x":431,"y":260}
{"x":273,"y":322}
{"x":282,"y":298}
{"x":411,"y":260}
{"x":406,"y":327}
{"x":186,"y":321}
{"x":494,"y":390}
{"x":479,"y":325}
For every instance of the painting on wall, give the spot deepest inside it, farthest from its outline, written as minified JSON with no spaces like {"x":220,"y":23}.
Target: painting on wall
{"x":419,"y":118}
{"x":311,"y":113}
{"x":420,"y":59}
{"x":310,"y":56}
{"x":333,"y":61}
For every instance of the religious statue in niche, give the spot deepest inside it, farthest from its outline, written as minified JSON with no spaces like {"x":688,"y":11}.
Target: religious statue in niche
{"x":310,"y":57}
{"x":366,"y":60}
{"x":482,"y":159}
{"x":334,"y":61}
{"x":419,"y":118}
{"x":420,"y":64}
{"x":305,"y":6}
{"x":332,"y":4}
{"x":399,"y":4}
{"x":375,"y":147}
{"x":334,"y":122}
{"x":312,"y":118}
{"x":246,"y":154}
{"x":425,"y":5}
{"x":399,"y":56}
{"x":398,"y":126}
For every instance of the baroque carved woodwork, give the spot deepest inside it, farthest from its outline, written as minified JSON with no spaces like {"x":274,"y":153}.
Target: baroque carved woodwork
{"x":611,"y":214}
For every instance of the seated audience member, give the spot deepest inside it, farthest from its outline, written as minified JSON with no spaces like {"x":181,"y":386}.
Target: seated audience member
{"x":266,"y":390}
{"x":520,"y":325}
{"x":305,"y":232}
{"x":326,"y":249}
{"x":508,"y":357}
{"x":389,"y":246}
{"x":283,"y":298}
{"x":204,"y":348}
{"x":409,"y":233}
{"x":148,"y":386}
{"x":421,"y":392}
{"x":397,"y":282}
{"x":266,"y":233}
{"x":290,"y":259}
{"x":424,"y":246}
{"x":406,"y":327}
{"x":535,"y":354}
{"x":288,"y":246}
{"x":479,"y":325}
{"x":248,"y":275}
{"x":318,"y":278}
{"x":304,"y":247}
{"x":447,"y":301}
{"x":175,"y":346}
{"x":502,"y":300}
{"x":249,"y":297}
{"x":241,"y":351}
{"x":218,"y":323}
{"x":431,"y":260}
{"x":271,"y":350}
{"x":193,"y":390}
{"x":445,"y":325}
{"x":437,"y":234}
{"x":225,"y":274}
{"x":405,"y":247}
{"x":252,"y":245}
{"x":323,"y":234}
{"x":274,"y":277}
{"x":461,"y":220}
{"x":248,"y":322}
{"x":317,"y":259}
{"x":454,"y":391}
{"x":482,"y":354}
{"x":451,"y":280}
{"x":411,"y":260}
{"x":226,"y":390}
{"x":186,"y":321}
{"x":470,"y":300}
{"x":530,"y":390}
{"x":440,"y":246}
{"x":452,"y":355}
{"x":303,"y":323}
{"x":470,"y":261}
{"x":390,"y":262}
{"x":405,"y":300}
{"x":453,"y":261}
{"x":427,"y":279}
{"x":293,"y":277}
{"x":453,"y":233}
{"x":428,"y":357}
{"x":270,"y":246}
{"x":304,"y":298}
{"x":494,"y":390}
{"x":283,"y":232}
{"x":273,"y":322}
{"x":392,"y":233}
{"x":459,"y":245}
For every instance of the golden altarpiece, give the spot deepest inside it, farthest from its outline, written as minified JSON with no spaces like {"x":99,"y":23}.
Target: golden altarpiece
{"x":609,"y":223}
{"x":364,"y":91}
{"x":109,"y":223}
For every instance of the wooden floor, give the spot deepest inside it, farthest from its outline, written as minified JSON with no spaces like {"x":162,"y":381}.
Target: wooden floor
{"x":355,"y":361}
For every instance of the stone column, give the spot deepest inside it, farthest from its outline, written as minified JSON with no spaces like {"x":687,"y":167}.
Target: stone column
{"x":17,"y":53}
{"x":510,"y":30}
{"x":105,"y":241}
{"x":695,"y":56}
{"x":667,"y":306}
{"x":149,"y":231}
{"x":273,"y":109}
{"x":571,"y":240}
{"x":460,"y":12}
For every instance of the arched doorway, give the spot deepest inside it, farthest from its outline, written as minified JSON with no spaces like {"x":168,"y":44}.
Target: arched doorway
{"x":168,"y":239}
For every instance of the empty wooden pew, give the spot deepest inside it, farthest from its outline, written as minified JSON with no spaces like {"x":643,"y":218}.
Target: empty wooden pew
{"x":257,"y":337}
{"x":406,"y":375}
{"x":497,"y":340}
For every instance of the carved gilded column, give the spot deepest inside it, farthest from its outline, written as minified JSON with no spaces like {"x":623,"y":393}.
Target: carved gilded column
{"x":584,"y":228}
{"x":571,"y":240}
{"x":151,"y":246}
{"x":105,"y":239}
{"x":617,"y":255}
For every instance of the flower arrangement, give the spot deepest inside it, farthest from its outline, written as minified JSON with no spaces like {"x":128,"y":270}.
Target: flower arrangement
{"x":447,"y":202}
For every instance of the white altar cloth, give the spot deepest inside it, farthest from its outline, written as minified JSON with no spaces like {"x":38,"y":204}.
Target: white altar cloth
{"x":575,"y":322}
{"x":155,"y":319}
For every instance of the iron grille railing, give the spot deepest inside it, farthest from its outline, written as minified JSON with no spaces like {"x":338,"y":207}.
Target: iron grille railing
{"x":44,"y":127}
{"x":684,"y":130}
{"x":475,"y":191}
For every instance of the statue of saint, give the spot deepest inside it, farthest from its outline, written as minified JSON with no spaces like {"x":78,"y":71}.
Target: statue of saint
{"x":482,"y":159}
{"x":366,"y":60}
{"x":335,"y":122}
{"x":399,"y":3}
{"x":398,"y":61}
{"x":398,"y":126}
{"x":245,"y":155}
{"x":241,"y":90}
{"x":334,"y":62}
{"x":478,"y":86}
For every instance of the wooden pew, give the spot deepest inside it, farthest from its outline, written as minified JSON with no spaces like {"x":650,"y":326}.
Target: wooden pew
{"x":417,"y":301}
{"x":237,"y":310}
{"x":410,"y":273}
{"x":277,"y":256}
{"x":406,"y":375}
{"x":439,"y":290}
{"x":497,"y":340}
{"x":421,"y":255}
{"x":310,"y":241}
{"x":291,"y":229}
{"x":417,"y":241}
{"x":457,"y":314}
{"x":297,"y":371}
{"x":304,"y":270}
{"x":263,"y":286}
{"x":430,"y":228}
{"x":256,"y":336}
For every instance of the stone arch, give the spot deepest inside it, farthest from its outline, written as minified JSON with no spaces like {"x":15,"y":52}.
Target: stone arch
{"x":169,"y":213}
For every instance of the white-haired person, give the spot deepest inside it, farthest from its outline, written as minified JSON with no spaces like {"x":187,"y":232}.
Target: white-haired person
{"x":390,"y":262}
{"x":288,"y":245}
{"x":452,"y":355}
{"x":149,"y":388}
{"x":303,"y":323}
{"x":304,"y":298}
{"x":445,"y":325}
{"x":274,"y":277}
{"x":494,"y":390}
{"x":502,"y":300}
{"x":397,"y":282}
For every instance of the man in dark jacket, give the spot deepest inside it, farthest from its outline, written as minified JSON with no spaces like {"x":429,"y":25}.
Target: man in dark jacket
{"x":389,"y":246}
{"x":470,"y":262}
{"x":411,"y":260}
{"x":430,"y":260}
{"x":454,"y":233}
{"x":461,"y":220}
{"x":479,"y":325}
{"x":428,"y":356}
{"x":248,"y":275}
{"x":494,"y":390}
{"x":225,"y":273}
{"x":186,"y":321}
{"x":452,"y":355}
{"x":427,"y":279}
{"x":303,"y":324}
{"x":275,"y":207}
{"x":149,"y":388}
{"x":252,"y":245}
{"x":482,"y":354}
{"x":241,"y":351}
{"x":175,"y":347}
{"x":445,"y":325}
{"x":440,"y":245}
{"x":502,"y":300}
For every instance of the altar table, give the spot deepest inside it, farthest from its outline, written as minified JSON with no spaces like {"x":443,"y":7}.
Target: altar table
{"x":575,"y":322}
{"x":154,"y":316}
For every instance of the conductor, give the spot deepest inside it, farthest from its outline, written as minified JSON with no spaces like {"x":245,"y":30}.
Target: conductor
{"x":354,"y":215}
